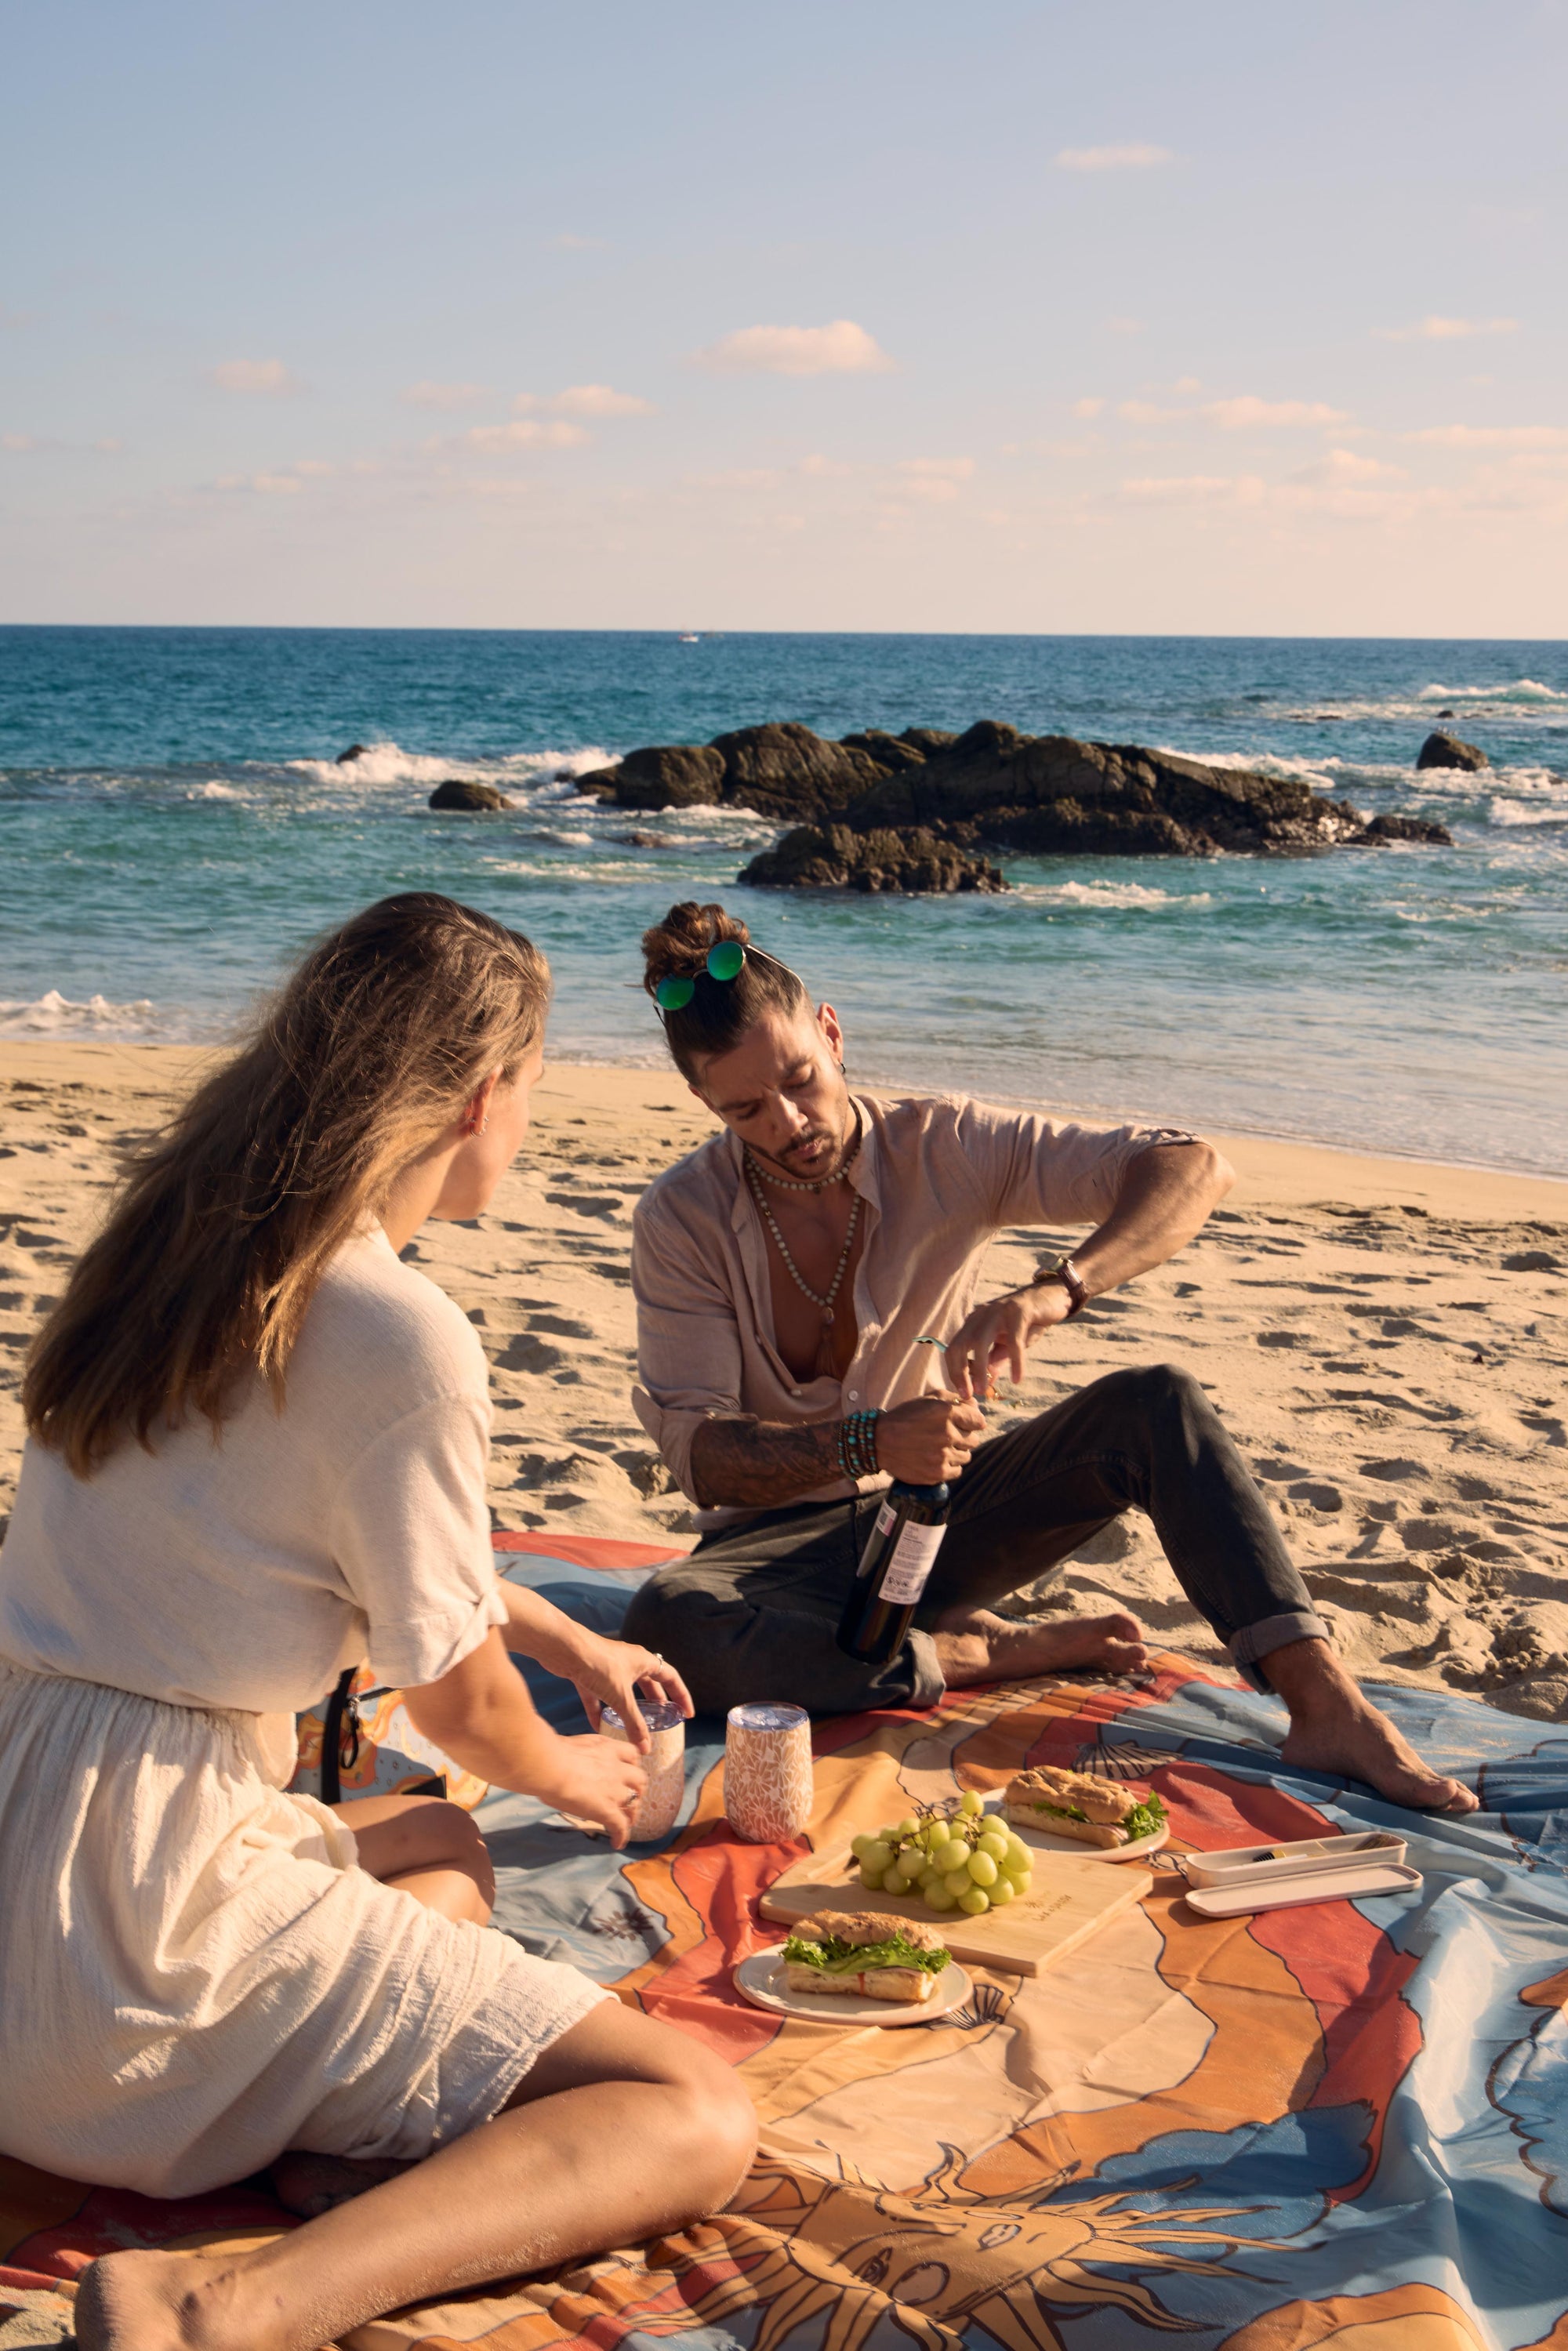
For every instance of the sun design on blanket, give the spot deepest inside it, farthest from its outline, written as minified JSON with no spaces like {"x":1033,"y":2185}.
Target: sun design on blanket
{"x":992,"y":2260}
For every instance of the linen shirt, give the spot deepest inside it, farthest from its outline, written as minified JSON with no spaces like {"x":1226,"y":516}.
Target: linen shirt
{"x":936,"y":1174}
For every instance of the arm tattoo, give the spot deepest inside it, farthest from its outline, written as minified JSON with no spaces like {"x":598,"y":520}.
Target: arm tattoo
{"x":763,"y":1462}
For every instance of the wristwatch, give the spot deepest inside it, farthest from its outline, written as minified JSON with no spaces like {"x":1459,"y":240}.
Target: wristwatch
{"x":1071,"y":1280}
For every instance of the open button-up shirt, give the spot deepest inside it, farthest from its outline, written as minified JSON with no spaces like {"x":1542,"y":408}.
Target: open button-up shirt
{"x":937,"y":1176}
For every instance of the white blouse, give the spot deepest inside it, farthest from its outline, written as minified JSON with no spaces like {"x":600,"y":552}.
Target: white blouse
{"x":246,"y":1570}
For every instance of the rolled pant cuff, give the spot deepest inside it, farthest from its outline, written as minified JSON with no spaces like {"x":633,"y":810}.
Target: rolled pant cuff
{"x":1249,"y":1646}
{"x":930,"y":1682}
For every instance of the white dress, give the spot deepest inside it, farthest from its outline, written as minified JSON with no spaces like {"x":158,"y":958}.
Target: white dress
{"x":195,"y":1974}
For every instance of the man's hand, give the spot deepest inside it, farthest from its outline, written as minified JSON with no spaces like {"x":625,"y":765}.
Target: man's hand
{"x":994,"y":1338}
{"x":609,"y":1673}
{"x":928,"y":1440}
{"x":595,"y":1780}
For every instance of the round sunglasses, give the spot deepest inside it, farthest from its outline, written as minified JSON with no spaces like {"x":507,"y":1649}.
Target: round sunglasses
{"x":723,"y":962}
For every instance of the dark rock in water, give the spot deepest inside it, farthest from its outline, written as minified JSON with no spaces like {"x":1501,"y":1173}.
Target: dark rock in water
{"x":1445,"y":714}
{"x":831,"y":857}
{"x":457,"y":792}
{"x":1043,"y":795}
{"x":1049,"y":794}
{"x":345,"y":758}
{"x":1404,"y":828}
{"x":889,"y":751}
{"x":670,"y":775}
{"x":645,"y":839}
{"x":786,"y":771}
{"x":1442,"y":750}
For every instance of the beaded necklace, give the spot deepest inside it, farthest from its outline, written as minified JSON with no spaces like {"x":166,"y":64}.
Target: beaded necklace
{"x":822,"y":1299}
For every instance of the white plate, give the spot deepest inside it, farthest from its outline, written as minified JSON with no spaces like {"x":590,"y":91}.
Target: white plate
{"x":761,"y":1980}
{"x":1041,"y":1839}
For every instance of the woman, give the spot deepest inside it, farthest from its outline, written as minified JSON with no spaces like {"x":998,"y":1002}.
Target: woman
{"x":256,"y":1454}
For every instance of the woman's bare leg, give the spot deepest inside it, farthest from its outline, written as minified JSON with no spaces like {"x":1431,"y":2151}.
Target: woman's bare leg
{"x":623,"y":2128}
{"x":427,"y":1848}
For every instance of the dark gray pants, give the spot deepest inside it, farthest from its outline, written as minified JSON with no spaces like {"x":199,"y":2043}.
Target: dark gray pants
{"x":752,"y":1612}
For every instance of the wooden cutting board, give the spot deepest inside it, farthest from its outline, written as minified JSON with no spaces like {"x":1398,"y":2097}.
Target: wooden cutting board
{"x":1067,"y":1902}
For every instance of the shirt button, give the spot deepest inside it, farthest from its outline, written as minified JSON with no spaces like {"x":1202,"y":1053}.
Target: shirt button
{"x":794,"y":1391}
{"x":854,"y":1395}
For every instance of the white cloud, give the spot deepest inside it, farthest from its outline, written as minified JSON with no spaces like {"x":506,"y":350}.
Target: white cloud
{"x":1239,"y":415}
{"x":938,"y":469}
{"x":1087,"y":408}
{"x":1186,"y":383}
{"x":264,"y":378}
{"x":315,"y":468}
{"x":585,"y":400}
{"x":1133,"y":157}
{"x":1194,"y":489}
{"x":17,"y":443}
{"x":265,"y":486}
{"x":525,"y":432}
{"x":1492,"y":437}
{"x":1433,"y":330}
{"x":1121,"y":326}
{"x":841,"y":347}
{"x":426,"y":394}
{"x":824,"y":469}
{"x":1143,"y":411}
{"x":1342,"y":468}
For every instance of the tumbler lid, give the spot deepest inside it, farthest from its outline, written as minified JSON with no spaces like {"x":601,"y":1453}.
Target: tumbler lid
{"x":767,"y":1716}
{"x":658,"y":1713}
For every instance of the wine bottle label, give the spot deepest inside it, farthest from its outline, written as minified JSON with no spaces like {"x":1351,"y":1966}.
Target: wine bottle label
{"x":914,"y":1556}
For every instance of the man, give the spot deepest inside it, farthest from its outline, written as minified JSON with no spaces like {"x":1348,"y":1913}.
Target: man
{"x":786,"y":1274}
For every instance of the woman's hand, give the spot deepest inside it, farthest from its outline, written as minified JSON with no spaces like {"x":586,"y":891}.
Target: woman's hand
{"x":609,"y":1673}
{"x":594,"y":1779}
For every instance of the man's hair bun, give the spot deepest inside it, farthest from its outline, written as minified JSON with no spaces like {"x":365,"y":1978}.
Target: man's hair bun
{"x":720,"y":1010}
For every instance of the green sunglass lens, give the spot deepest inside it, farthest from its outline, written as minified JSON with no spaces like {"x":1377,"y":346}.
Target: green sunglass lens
{"x":671,"y":995}
{"x":725,"y":960}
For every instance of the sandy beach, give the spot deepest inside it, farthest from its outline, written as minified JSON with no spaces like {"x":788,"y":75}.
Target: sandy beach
{"x":1386,"y":1339}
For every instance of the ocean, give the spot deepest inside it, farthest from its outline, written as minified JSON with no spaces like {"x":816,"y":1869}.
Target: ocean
{"x":175,"y":827}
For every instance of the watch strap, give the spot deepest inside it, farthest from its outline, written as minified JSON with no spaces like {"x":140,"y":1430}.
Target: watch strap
{"x":1071,"y":1280}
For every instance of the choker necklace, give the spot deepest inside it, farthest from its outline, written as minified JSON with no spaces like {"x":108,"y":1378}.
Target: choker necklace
{"x":793,"y":1183}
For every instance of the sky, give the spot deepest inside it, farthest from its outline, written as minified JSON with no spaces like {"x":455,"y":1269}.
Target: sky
{"x":1171,"y":316}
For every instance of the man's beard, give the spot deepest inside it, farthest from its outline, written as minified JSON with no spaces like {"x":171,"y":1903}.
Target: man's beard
{"x":829,"y":1164}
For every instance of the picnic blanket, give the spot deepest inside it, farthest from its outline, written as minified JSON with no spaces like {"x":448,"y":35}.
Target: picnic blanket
{"x":1344,"y":2125}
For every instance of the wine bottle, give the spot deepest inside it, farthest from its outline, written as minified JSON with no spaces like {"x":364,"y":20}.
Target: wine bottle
{"x":900,"y":1552}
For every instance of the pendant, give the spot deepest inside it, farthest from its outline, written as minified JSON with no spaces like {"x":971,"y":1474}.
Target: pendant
{"x":827,"y":1316}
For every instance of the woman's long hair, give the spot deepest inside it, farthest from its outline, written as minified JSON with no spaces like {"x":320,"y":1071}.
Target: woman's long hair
{"x":228,"y":1219}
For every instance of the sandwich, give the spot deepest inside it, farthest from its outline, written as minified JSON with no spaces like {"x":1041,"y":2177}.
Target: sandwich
{"x":864,"y":1951}
{"x":1077,"y":1805}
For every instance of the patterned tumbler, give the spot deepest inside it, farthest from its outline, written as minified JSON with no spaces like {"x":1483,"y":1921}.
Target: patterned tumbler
{"x":666,"y":1763}
{"x":768,"y":1789}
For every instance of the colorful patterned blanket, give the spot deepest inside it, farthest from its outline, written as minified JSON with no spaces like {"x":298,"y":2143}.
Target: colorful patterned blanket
{"x":1345,"y":2126}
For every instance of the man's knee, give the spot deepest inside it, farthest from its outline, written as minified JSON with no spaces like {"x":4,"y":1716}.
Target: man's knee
{"x":1158,"y":1391}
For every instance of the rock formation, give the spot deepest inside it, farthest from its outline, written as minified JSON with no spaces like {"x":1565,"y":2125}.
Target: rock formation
{"x":1442,"y":749}
{"x":1042,"y":795}
{"x":346,"y":758}
{"x":458,"y":793}
{"x":831,"y":857}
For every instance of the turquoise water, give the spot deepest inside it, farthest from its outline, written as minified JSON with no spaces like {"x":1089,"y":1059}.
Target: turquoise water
{"x":174,"y":827}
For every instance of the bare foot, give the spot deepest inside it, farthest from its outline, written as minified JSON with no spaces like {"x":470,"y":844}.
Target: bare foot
{"x":973,"y":1645}
{"x":161,"y":2301}
{"x":1362,"y":1744}
{"x":310,"y":2185}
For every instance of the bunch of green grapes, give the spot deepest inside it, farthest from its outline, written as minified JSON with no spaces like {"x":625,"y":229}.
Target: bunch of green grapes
{"x":958,"y":1858}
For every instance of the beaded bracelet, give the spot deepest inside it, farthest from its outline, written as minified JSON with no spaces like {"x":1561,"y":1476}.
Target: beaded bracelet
{"x":857,"y":1446}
